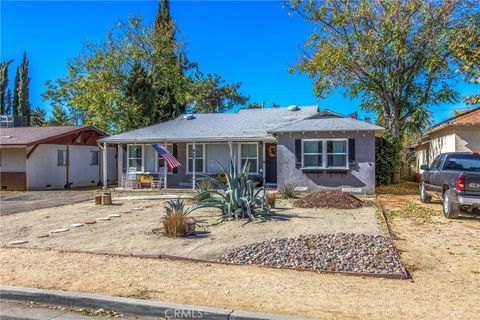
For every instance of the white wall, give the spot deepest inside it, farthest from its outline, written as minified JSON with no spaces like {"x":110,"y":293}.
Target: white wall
{"x":13,"y":160}
{"x":43,"y":169}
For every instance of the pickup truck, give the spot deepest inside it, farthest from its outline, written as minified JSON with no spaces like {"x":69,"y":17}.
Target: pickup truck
{"x":453,"y":178}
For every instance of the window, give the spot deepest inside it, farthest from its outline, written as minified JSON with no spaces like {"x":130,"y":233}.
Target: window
{"x":61,"y":157}
{"x":199,"y":157}
{"x":94,"y":158}
{"x":321,"y":154}
{"x":161,"y":161}
{"x":337,"y":154}
{"x":464,"y":162}
{"x":249,"y":153}
{"x":312,"y":154}
{"x":135,"y":157}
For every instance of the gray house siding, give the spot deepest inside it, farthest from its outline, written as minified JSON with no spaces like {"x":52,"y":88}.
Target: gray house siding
{"x":360,"y":175}
{"x":180,"y":177}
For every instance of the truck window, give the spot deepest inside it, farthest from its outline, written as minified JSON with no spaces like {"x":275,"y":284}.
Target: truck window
{"x":463,"y":162}
{"x":441,"y":159}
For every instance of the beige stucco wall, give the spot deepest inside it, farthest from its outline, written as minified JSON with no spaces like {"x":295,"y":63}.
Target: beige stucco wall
{"x":467,"y":139}
{"x":13,"y":160}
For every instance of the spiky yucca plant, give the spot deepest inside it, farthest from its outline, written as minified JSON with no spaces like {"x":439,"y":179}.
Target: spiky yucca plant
{"x":175,"y":221}
{"x":237,"y":197}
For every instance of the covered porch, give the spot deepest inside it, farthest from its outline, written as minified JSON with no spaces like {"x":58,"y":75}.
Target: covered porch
{"x":139,"y":163}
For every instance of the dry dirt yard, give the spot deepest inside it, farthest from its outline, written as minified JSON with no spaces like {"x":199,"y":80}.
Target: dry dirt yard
{"x":131,"y":232}
{"x":443,"y":257}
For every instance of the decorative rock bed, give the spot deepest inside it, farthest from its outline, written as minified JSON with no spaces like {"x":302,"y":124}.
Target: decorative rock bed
{"x":340,"y":252}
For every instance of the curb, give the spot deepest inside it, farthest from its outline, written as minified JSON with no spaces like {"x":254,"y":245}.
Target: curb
{"x":131,"y":306}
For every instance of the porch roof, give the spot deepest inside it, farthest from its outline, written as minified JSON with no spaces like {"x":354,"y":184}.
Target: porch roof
{"x":244,"y":125}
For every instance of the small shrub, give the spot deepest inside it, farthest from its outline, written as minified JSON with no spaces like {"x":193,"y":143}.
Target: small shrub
{"x":175,"y":220}
{"x":202,"y":187}
{"x":288,"y":191}
{"x":271,"y":198}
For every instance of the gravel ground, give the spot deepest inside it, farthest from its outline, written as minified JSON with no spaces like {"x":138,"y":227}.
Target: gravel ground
{"x":331,"y":252}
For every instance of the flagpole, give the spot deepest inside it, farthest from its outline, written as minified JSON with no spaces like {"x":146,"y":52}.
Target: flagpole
{"x":165,"y":167}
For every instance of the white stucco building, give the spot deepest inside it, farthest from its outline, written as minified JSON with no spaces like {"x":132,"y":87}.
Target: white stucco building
{"x":39,"y":158}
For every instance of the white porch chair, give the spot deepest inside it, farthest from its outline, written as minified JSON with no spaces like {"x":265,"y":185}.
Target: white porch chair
{"x":158,"y":183}
{"x":129,"y":179}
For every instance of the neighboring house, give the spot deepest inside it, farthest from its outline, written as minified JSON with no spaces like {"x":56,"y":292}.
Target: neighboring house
{"x":37,"y":158}
{"x":295,"y":145}
{"x":457,"y":134}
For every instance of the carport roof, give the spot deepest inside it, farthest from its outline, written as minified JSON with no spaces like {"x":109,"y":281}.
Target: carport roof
{"x":27,"y":136}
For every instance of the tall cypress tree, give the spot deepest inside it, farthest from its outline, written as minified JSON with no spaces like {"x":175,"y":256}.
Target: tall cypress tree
{"x":169,"y":80}
{"x":8,"y":102}
{"x":3,"y":85}
{"x":21,"y":94}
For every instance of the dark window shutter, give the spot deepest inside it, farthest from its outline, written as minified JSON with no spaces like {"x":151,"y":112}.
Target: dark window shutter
{"x":351,"y":150}
{"x":175,"y":154}
{"x":298,"y":153}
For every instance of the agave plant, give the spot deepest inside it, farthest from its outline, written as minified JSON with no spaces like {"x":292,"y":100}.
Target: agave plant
{"x":237,"y":197}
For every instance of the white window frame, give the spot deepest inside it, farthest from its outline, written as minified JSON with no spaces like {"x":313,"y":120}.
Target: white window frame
{"x":189,"y":171}
{"x":157,"y":167}
{"x":240,"y":158}
{"x":325,"y":154}
{"x":143,"y":156}
{"x":336,"y":153}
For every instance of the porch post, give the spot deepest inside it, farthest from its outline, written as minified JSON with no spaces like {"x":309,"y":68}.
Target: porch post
{"x":194,"y":169}
{"x":104,"y":163}
{"x":165,"y":168}
{"x":119,"y":164}
{"x":264,"y":160}
{"x":231,"y":150}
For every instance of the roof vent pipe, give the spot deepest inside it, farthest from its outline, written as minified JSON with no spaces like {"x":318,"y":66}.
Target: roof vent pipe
{"x":188,"y":117}
{"x":293,"y":108}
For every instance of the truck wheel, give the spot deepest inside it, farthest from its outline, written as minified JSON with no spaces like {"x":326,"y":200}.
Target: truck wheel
{"x":424,"y":197}
{"x":451,"y":210}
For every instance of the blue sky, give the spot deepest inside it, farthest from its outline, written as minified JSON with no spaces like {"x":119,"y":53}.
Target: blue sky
{"x":254,"y":42}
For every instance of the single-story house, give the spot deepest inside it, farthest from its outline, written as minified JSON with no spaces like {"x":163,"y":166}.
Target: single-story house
{"x":457,"y":134}
{"x":296,"y":145}
{"x":39,"y":158}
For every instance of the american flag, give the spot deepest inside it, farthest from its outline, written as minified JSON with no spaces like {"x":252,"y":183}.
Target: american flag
{"x":171,"y":161}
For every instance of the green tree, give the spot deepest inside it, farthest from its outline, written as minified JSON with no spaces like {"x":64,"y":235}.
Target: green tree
{"x":8,"y":102}
{"x":140,"y":97}
{"x":60,"y":117}
{"x":4,"y":85}
{"x":465,"y":46}
{"x":254,"y":105}
{"x":392,"y":54}
{"x":213,"y":94}
{"x":21,"y":92}
{"x":38,"y":118}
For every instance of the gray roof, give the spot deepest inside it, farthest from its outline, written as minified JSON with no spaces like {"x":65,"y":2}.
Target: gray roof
{"x":329,"y":121}
{"x":247,"y":124}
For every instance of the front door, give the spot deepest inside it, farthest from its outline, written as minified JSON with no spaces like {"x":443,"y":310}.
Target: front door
{"x":271,"y":163}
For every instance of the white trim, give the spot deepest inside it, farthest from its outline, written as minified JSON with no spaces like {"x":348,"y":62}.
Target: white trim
{"x":142,"y":158}
{"x":240,"y":158}
{"x":325,"y":154}
{"x":188,"y":171}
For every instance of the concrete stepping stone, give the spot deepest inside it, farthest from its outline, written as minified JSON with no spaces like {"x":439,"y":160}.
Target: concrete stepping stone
{"x":18,"y":242}
{"x":103,"y":219}
{"x":114,"y":215}
{"x":90,"y":221}
{"x":59,"y":230}
{"x":46,"y":235}
{"x":76,"y":225}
